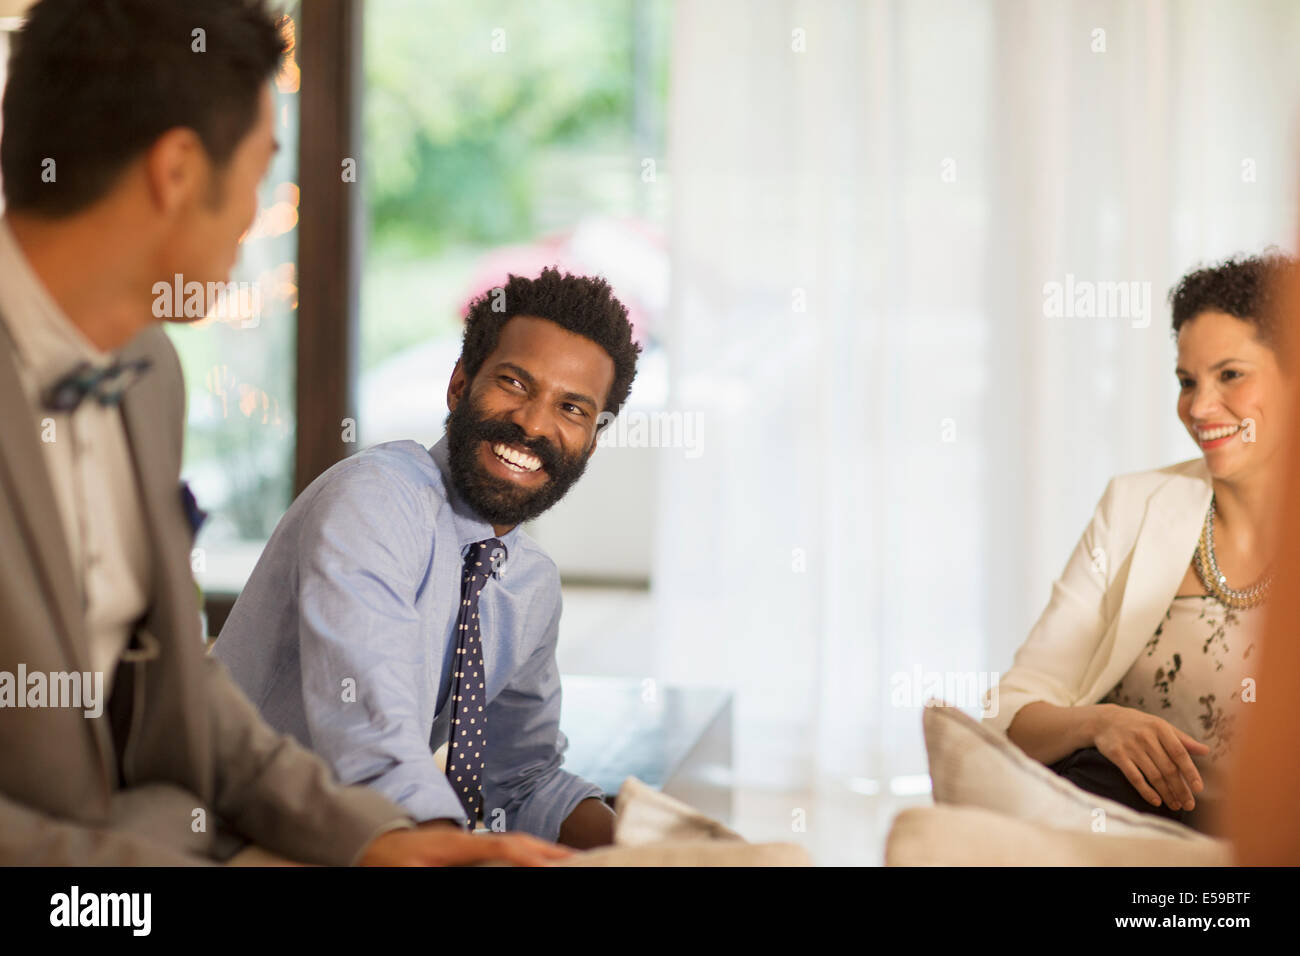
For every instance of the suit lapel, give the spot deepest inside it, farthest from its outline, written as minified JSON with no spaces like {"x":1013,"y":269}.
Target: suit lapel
{"x":23,"y":465}
{"x":1165,"y":545}
{"x":22,"y":468}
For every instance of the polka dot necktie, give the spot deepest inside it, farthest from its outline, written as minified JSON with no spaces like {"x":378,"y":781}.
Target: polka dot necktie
{"x":467,"y":745}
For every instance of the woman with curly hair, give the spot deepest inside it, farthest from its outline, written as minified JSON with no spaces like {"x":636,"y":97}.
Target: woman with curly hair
{"x":1134,"y":680}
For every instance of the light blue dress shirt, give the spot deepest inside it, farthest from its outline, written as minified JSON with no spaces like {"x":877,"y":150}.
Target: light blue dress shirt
{"x":345,"y":633}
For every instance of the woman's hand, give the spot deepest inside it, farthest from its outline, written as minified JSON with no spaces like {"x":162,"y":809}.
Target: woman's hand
{"x":1154,"y":755}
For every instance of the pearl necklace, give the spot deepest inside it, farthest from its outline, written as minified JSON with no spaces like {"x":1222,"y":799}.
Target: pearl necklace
{"x":1214,"y":580}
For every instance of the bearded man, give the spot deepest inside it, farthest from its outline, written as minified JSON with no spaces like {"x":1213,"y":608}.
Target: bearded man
{"x":399,"y":607}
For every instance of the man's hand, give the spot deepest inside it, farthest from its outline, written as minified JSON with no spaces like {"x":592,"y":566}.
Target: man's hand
{"x":441,"y":843}
{"x":1154,"y":755}
{"x":591,"y":824}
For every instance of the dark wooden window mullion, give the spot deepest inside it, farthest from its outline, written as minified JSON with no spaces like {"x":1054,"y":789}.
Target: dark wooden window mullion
{"x":329,"y":54}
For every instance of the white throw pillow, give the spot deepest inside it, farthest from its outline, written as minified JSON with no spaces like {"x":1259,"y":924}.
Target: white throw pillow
{"x":973,"y":765}
{"x":971,"y":836}
{"x":654,"y":829}
{"x":647,"y":816}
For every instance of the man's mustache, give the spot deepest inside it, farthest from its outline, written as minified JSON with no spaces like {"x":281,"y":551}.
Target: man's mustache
{"x":508,"y":433}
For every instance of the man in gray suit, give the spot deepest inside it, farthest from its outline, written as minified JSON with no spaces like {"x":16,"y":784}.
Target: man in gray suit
{"x":130,"y":156}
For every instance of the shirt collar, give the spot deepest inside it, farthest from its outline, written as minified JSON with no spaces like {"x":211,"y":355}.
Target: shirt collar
{"x":46,"y":341}
{"x":470,"y":525}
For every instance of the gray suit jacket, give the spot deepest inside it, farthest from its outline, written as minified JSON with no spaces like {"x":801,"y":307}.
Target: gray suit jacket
{"x":177,"y":736}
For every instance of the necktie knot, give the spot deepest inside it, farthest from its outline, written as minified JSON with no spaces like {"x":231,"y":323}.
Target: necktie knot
{"x":485,"y":558}
{"x":106,"y":383}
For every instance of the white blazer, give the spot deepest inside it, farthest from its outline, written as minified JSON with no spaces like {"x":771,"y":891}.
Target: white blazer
{"x":1114,"y":591}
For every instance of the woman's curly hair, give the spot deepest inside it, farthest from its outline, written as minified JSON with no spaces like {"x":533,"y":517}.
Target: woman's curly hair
{"x":1250,"y":288}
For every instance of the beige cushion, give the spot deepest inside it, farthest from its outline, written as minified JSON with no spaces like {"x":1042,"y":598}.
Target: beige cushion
{"x":654,"y":829}
{"x":253,"y":855}
{"x":970,"y":836}
{"x":973,"y":765}
{"x":647,"y":816}
{"x":694,"y":853}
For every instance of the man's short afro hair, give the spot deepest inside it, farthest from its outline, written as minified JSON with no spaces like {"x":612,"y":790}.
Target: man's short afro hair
{"x":1247,"y":288}
{"x":581,"y":304}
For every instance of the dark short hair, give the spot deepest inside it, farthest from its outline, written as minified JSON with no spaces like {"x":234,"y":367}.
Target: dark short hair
{"x":1249,"y":288}
{"x":93,"y":83}
{"x":581,"y":304}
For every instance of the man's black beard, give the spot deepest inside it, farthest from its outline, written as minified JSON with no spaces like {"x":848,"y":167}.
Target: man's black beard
{"x":495,"y":499}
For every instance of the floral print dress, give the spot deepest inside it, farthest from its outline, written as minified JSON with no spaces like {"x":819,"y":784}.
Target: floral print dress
{"x":1192,"y":673}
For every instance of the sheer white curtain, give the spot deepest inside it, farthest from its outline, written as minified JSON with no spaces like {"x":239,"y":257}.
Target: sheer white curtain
{"x":900,"y":443}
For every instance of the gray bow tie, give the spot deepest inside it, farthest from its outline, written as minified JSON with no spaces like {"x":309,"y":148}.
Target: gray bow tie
{"x":107,"y":384}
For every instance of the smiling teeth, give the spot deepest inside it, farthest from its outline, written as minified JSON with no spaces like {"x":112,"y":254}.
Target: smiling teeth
{"x":519,"y":460}
{"x":1215,"y":433}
